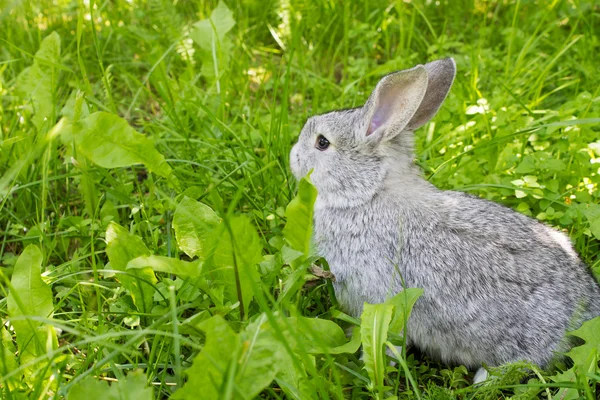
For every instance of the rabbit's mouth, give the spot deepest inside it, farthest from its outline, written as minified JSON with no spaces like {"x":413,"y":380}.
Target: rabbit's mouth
{"x":295,"y":163}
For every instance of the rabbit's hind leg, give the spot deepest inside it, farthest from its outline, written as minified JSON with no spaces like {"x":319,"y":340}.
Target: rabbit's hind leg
{"x":480,"y":376}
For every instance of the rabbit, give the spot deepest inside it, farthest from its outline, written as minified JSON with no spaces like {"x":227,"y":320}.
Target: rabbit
{"x":498,"y":286}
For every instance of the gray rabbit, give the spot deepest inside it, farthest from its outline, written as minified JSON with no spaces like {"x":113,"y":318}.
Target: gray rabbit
{"x":498,"y":286}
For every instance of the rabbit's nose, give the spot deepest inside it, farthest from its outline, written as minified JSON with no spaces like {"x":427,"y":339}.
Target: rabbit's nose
{"x":295,"y":161}
{"x":295,"y":154}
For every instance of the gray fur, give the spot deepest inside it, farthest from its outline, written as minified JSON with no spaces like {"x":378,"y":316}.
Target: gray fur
{"x":498,"y":286}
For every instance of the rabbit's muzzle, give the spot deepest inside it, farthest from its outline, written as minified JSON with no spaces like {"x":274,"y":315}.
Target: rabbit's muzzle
{"x":295,"y":162}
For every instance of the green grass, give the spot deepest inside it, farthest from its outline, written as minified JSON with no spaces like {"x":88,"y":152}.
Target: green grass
{"x":222,"y":110}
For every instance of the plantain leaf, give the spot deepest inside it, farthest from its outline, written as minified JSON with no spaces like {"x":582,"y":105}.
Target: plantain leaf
{"x":588,"y":354}
{"x":180,"y":268}
{"x":194,"y":222}
{"x":208,"y":371}
{"x":8,"y":360}
{"x":76,"y":107}
{"x":31,"y":297}
{"x":351,"y":346}
{"x":121,"y":248}
{"x":36,"y":86}
{"x":207,"y":31}
{"x":237,"y":247}
{"x":167,"y":264}
{"x":230,"y":253}
{"x":585,"y":360}
{"x":232,"y":366}
{"x":566,"y":393}
{"x":299,"y":214}
{"x":209,"y":35}
{"x":133,"y":387}
{"x":108,"y":141}
{"x":261,"y":358}
{"x":323,"y":336}
{"x":375,"y":322}
{"x":38,"y":83}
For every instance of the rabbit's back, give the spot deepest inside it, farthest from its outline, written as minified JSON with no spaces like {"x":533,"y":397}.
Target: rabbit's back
{"x":499,"y":286}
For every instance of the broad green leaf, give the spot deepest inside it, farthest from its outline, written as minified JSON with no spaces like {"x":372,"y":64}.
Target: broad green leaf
{"x":293,"y":283}
{"x":585,"y":359}
{"x":209,"y":369}
{"x":375,"y":322}
{"x":351,"y":346}
{"x":232,"y":366}
{"x":526,"y":166}
{"x":592,"y":213}
{"x":214,"y":64}
{"x":566,"y":393}
{"x":239,"y":248}
{"x":37,"y":83}
{"x":293,"y":380}
{"x":207,"y":31}
{"x":193,"y":223}
{"x":260,"y":360}
{"x":122,"y":247}
{"x":323,"y":336}
{"x":290,"y":255}
{"x":587,"y":355}
{"x":76,"y":107}
{"x":291,"y":376}
{"x":8,"y":359}
{"x":30,"y":297}
{"x":209,"y":35}
{"x":180,"y":268}
{"x":167,"y":264}
{"x":134,"y":387}
{"x":108,"y":141}
{"x":299,"y":214}
{"x":30,"y":153}
{"x":403,"y":303}
{"x":200,"y":232}
{"x":553,"y":164}
{"x":337,"y":314}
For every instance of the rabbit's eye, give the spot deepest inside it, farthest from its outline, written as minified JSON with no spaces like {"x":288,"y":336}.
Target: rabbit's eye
{"x":322,"y":143}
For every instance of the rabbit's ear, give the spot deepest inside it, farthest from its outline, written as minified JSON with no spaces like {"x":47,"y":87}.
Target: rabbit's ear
{"x":440,"y":75}
{"x":406,"y":100}
{"x":394,"y":102}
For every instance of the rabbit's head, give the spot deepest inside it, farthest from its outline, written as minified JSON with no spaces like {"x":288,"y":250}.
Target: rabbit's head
{"x":352,"y":151}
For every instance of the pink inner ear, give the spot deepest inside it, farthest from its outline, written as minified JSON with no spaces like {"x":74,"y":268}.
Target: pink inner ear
{"x":382,"y":113}
{"x":375,"y":123}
